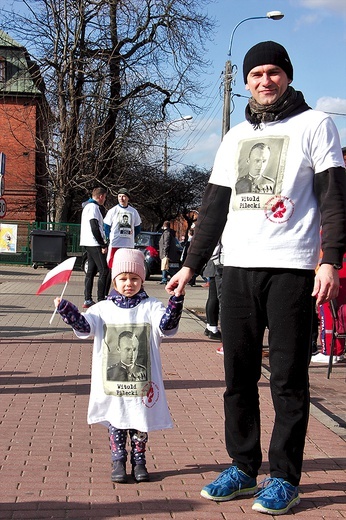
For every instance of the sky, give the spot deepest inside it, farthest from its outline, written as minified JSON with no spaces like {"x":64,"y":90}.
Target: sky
{"x":314,"y":34}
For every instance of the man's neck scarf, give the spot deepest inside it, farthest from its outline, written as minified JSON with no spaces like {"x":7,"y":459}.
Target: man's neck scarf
{"x":291,"y":103}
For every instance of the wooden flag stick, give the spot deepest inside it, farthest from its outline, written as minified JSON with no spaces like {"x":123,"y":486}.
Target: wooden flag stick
{"x":55,"y":310}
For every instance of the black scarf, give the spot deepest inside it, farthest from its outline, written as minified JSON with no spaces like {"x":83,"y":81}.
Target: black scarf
{"x":291,"y":103}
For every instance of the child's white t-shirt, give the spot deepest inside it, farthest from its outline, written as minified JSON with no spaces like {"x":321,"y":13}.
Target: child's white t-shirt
{"x":138,"y":400}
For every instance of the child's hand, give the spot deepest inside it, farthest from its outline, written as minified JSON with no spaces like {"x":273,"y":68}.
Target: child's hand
{"x":176,"y":284}
{"x":57,"y":302}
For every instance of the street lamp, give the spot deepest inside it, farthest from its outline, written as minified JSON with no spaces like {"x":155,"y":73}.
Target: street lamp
{"x":165,"y":150}
{"x":226,"y":120}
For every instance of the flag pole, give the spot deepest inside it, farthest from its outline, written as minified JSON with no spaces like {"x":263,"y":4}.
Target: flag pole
{"x":55,"y":310}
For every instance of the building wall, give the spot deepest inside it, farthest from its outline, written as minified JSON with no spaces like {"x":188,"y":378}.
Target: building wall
{"x":18,"y":116}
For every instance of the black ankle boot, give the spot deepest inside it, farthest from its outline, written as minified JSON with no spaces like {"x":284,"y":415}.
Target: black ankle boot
{"x":139,"y":473}
{"x":119,"y":472}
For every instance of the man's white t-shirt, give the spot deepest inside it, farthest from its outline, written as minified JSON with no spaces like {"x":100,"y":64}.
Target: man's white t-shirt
{"x":279,"y":211}
{"x":90,"y":211}
{"x":122,"y":222}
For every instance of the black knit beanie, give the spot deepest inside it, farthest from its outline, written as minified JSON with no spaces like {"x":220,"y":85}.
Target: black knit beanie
{"x":267,"y":53}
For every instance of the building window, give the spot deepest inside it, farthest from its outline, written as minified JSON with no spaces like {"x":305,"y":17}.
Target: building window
{"x":2,"y":69}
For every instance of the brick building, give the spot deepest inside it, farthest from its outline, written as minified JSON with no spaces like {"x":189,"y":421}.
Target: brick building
{"x":22,"y":136}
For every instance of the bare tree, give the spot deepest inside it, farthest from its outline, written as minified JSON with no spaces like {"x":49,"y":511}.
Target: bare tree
{"x":112,"y":69}
{"x":182,"y":190}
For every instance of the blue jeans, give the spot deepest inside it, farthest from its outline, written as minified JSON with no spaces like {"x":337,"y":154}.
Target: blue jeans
{"x":280,"y":299}
{"x":165,"y":274}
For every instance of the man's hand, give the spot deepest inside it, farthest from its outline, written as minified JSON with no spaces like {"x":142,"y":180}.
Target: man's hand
{"x":326,"y":285}
{"x":176,"y":284}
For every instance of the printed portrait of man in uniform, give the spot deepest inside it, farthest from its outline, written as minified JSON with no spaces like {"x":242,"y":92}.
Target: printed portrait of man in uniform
{"x":260,"y":165}
{"x":126,"y":353}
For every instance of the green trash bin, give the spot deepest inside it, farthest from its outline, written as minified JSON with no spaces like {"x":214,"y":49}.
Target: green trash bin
{"x":48,"y":247}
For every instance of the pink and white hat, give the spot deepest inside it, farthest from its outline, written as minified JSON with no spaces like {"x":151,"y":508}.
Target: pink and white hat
{"x":128,"y":261}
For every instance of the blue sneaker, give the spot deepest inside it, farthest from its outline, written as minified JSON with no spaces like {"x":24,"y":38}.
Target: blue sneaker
{"x":229,"y":484}
{"x":276,"y":497}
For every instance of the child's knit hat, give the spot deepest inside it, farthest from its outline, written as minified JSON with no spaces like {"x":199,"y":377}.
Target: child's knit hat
{"x":128,"y":261}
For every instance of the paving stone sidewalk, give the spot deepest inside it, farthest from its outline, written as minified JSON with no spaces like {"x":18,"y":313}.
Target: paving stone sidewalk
{"x":54,"y":466}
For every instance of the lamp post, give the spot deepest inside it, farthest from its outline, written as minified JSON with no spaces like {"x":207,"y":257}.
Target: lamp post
{"x":226,"y":119}
{"x":165,"y":149}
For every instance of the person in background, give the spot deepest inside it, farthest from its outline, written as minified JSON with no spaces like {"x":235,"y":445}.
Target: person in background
{"x":315,"y":333}
{"x":214,"y":270}
{"x":323,"y":323}
{"x":167,"y":250}
{"x":128,"y":329}
{"x":186,"y":246}
{"x":93,"y":238}
{"x":326,"y":326}
{"x":271,"y":247}
{"x":212,"y":305}
{"x":122,"y":225}
{"x":344,"y":154}
{"x":218,"y":262}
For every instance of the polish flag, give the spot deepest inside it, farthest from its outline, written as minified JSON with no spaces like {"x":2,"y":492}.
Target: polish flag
{"x":60,"y":274}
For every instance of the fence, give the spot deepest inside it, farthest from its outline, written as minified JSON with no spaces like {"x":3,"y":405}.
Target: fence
{"x":15,"y":239}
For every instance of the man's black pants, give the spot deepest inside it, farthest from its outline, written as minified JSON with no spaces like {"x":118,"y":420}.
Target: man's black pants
{"x":97,"y":262}
{"x":253,"y":299}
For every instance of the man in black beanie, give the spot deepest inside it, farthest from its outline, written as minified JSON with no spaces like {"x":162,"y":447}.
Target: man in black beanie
{"x":271,"y":241}
{"x":267,"y":52}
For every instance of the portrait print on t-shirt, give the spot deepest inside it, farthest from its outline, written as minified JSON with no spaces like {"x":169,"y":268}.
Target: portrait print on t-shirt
{"x":125,"y":228}
{"x":126,"y":365}
{"x":259,"y":171}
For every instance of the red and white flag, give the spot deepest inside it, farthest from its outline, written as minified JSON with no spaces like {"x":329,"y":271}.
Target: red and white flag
{"x":60,"y":274}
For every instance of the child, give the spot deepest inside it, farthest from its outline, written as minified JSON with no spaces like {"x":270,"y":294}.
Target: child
{"x":127,"y":392}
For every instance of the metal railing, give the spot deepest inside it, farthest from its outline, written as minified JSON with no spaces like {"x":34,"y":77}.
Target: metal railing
{"x":15,"y":239}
